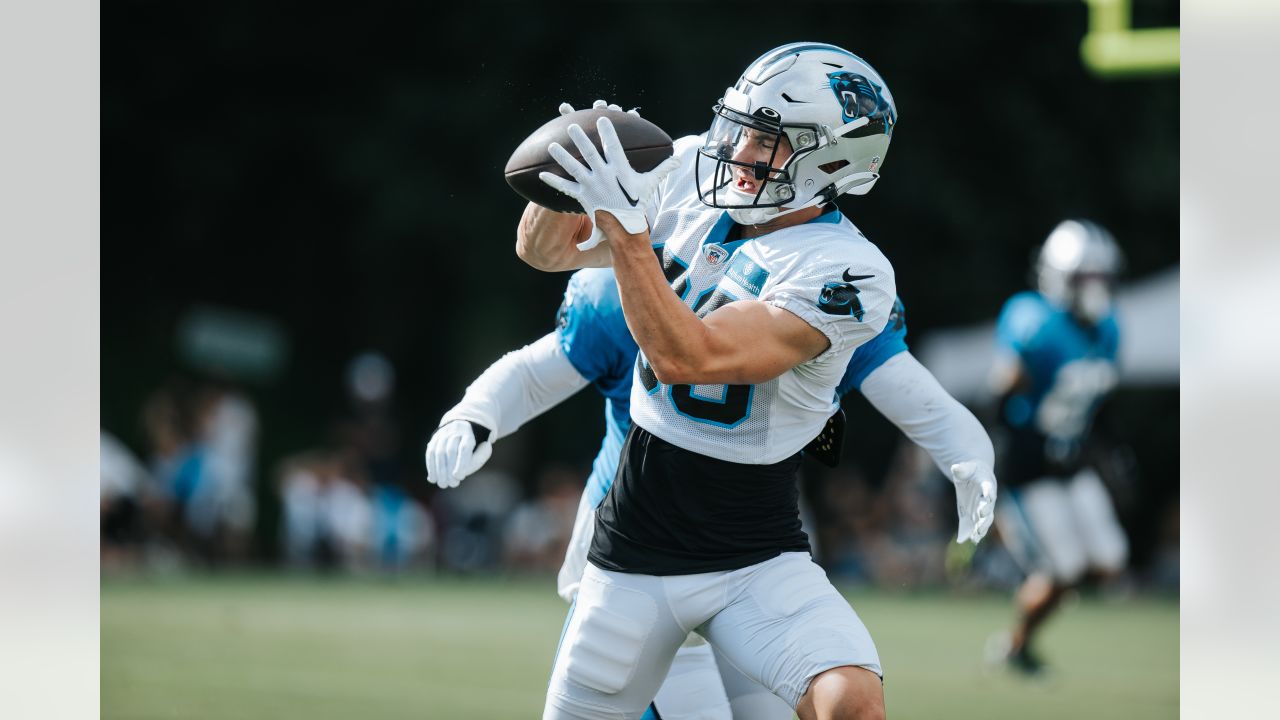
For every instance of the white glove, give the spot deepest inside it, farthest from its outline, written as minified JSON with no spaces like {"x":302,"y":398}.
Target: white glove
{"x":605,"y":183}
{"x":566,"y":108}
{"x":453,"y":454}
{"x":975,"y":499}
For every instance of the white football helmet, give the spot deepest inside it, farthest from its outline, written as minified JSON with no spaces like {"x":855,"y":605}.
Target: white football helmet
{"x":1077,"y":266}
{"x":834,"y":109}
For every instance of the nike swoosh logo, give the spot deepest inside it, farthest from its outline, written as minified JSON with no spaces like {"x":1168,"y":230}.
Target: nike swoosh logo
{"x":626,"y":194}
{"x":850,"y":278}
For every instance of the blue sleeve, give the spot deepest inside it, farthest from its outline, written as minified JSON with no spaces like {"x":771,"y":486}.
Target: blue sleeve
{"x":1019,"y":322}
{"x":873,"y":353}
{"x":587,"y":326}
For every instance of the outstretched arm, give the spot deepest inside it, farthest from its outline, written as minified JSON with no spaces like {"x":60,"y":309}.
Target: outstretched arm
{"x":906,"y":393}
{"x":518,"y":387}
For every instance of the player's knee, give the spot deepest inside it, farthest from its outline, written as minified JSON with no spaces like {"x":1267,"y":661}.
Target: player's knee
{"x":844,"y":693}
{"x":865,"y":699}
{"x":1036,"y":589}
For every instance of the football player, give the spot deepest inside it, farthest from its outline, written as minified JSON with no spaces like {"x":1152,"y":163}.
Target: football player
{"x":774,"y":290}
{"x":1056,"y":361}
{"x":591,"y":345}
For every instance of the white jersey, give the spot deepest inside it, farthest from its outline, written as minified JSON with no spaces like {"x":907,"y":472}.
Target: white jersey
{"x":825,"y":271}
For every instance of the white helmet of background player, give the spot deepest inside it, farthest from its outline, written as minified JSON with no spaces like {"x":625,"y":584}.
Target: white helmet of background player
{"x":1076,"y":268}
{"x":834,"y":109}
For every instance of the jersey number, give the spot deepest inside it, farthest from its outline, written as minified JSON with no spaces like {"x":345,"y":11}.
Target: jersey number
{"x":1067,"y":409}
{"x":727,"y":413}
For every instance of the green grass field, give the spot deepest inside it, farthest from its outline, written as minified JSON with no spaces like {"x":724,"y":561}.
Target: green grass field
{"x":265,"y":647}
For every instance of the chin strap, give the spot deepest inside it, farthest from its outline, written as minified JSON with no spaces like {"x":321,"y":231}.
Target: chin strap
{"x":760,"y":216}
{"x":856,"y":184}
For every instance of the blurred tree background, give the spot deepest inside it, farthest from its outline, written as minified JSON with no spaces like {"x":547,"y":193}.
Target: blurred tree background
{"x":338,"y":171}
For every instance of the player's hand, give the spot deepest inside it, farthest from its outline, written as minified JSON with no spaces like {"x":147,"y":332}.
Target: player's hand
{"x":606,"y":183}
{"x":453,"y":453}
{"x":566,"y":108}
{"x":975,"y":499}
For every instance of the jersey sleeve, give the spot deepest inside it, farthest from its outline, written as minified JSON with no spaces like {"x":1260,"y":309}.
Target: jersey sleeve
{"x":850,"y":303}
{"x":1019,"y":322}
{"x":867,"y":358}
{"x":588,"y":325}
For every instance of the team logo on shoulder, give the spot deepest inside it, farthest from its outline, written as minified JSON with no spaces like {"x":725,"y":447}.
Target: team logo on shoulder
{"x":715,"y":254}
{"x":841,"y":298}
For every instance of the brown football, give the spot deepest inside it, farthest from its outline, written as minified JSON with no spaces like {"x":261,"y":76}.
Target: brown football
{"x":646,"y":145}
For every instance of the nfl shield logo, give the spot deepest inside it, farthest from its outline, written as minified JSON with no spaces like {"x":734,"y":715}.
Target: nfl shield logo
{"x":715,"y":254}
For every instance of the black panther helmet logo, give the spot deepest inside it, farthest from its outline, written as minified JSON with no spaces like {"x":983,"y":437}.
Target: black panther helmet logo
{"x":859,"y":97}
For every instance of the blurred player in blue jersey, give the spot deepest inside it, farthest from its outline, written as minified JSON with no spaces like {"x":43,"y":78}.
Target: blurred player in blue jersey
{"x":592,"y":345}
{"x":1056,"y":362}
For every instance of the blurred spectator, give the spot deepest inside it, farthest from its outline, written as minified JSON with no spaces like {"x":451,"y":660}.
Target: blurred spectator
{"x":913,"y":549}
{"x":399,"y":530}
{"x":472,"y":519}
{"x":895,"y":537}
{"x":537,"y":532}
{"x":222,"y":509}
{"x":403,"y":532}
{"x":203,"y":452}
{"x":176,"y":461}
{"x":331,"y":518}
{"x":327,"y":515}
{"x":369,"y":431}
{"x":853,"y":524}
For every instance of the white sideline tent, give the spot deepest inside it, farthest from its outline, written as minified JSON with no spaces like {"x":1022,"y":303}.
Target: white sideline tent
{"x":1146,"y":309}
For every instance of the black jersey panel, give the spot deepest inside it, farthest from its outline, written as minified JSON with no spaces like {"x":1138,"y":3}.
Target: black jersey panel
{"x":671,"y":511}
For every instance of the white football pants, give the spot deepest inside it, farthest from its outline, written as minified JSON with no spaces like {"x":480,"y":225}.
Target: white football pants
{"x":697,"y":686}
{"x":1063,"y":528}
{"x":779,"y":623}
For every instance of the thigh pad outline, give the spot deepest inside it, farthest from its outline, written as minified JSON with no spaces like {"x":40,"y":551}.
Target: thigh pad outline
{"x":610,"y":637}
